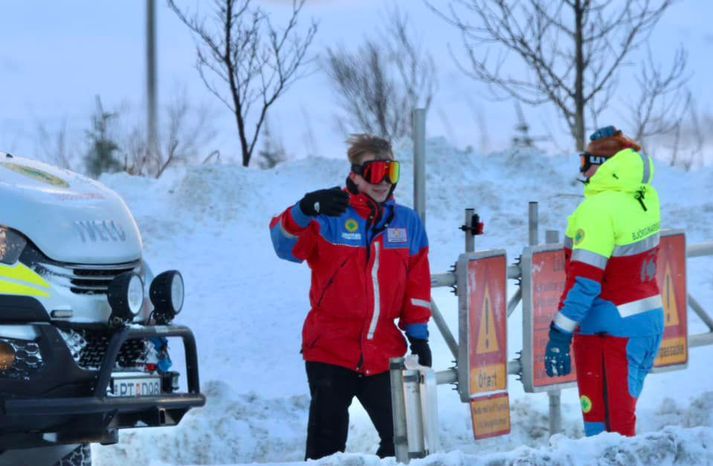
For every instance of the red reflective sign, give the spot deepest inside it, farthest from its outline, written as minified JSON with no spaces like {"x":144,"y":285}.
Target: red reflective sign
{"x":548,"y":278}
{"x":671,"y":276}
{"x":487,"y":318}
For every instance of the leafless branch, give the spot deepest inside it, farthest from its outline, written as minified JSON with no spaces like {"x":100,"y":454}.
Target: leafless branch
{"x":187,"y":128}
{"x":54,"y":145}
{"x":246,"y":61}
{"x":381,"y":82}
{"x":662,"y":101}
{"x":571,"y":50}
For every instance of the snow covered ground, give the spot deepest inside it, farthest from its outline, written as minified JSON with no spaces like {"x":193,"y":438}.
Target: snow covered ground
{"x":246,"y":308}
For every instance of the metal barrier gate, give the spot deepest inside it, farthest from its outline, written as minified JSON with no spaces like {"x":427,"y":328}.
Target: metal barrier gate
{"x":482,"y":379}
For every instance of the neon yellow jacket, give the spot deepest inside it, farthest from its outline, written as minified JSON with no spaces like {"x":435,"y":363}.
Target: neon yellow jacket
{"x":611,"y":243}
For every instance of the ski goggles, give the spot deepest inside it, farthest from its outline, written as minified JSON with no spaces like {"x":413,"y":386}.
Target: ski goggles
{"x":376,"y":171}
{"x":586,"y":160}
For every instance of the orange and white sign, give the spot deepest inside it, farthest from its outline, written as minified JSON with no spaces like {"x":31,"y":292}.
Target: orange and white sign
{"x":671,"y":277}
{"x":482,"y":357}
{"x":487,"y":319}
{"x":490,"y":415}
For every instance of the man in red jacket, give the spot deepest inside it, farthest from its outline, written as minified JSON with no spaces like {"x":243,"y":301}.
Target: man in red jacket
{"x":369,"y":262}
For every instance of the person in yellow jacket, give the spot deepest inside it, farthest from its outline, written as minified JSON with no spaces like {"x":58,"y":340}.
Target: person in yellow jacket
{"x":611,"y":303}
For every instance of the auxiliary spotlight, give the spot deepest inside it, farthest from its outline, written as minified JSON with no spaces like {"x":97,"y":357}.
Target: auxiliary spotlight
{"x":126,"y":297}
{"x":166,"y":294}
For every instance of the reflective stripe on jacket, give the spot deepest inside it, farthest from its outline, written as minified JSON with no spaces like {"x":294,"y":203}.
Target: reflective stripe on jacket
{"x":611,"y":283}
{"x":365,"y":274}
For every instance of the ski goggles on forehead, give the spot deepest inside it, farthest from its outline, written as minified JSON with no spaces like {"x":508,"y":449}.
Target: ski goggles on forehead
{"x":376,"y":171}
{"x":586,"y":160}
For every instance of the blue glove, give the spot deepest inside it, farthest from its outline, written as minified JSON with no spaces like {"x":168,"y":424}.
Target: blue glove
{"x":557,"y":360}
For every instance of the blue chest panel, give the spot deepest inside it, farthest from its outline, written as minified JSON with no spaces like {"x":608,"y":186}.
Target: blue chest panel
{"x":396,"y":228}
{"x":347,"y":230}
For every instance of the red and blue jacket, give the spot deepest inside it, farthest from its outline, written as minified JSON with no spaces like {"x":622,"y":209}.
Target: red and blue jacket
{"x":369,"y":268}
{"x":611,"y":248}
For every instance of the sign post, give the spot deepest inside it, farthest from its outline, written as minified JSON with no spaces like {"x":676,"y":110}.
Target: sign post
{"x":482,"y":367}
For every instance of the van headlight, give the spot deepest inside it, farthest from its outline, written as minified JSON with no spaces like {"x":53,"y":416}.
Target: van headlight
{"x":20,"y":355}
{"x":167,"y":296}
{"x":7,"y":356}
{"x":126,"y":297}
{"x":11,"y":245}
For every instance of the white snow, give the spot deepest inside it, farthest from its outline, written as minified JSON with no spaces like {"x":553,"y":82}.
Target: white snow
{"x":246,"y":308}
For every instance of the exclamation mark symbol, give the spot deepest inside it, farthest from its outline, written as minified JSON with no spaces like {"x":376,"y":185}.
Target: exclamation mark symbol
{"x":668,"y":298}
{"x":487,"y":324}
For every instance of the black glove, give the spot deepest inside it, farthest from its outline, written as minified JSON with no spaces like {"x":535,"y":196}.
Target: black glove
{"x":421,"y":349}
{"x":332,"y":202}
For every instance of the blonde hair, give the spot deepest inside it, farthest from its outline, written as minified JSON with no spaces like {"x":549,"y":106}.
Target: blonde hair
{"x":361,"y":144}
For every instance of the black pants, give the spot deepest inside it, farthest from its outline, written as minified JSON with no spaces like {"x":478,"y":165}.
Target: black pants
{"x":332,"y":389}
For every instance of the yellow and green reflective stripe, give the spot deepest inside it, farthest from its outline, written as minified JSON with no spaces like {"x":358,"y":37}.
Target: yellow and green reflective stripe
{"x":22,"y":273}
{"x":16,"y":280}
{"x":7,"y":287}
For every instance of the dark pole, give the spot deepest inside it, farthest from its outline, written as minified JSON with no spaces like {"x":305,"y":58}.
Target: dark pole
{"x":151,"y":100}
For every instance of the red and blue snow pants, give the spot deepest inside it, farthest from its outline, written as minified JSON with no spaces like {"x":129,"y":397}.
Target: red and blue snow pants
{"x":610,"y":376}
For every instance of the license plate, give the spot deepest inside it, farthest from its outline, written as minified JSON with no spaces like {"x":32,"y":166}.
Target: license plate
{"x":136,"y":386}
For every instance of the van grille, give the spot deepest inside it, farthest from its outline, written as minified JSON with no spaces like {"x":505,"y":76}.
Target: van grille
{"x":86,"y":279}
{"x":88,"y":348}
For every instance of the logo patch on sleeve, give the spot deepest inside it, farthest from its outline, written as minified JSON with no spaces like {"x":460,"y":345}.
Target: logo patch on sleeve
{"x":579,"y":236}
{"x":396,"y":235}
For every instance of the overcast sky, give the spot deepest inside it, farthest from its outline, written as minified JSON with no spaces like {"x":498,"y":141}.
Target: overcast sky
{"x":55,"y":57}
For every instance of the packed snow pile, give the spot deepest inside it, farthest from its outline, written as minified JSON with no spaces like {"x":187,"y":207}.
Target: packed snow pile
{"x":246,"y":308}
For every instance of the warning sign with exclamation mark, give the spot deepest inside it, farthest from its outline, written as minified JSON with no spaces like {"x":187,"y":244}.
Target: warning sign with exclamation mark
{"x":487,"y":324}
{"x":482,"y":358}
{"x":487,"y":335}
{"x":671,"y":277}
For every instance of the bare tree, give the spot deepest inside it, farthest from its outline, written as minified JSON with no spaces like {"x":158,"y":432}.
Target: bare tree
{"x":187,"y":128}
{"x":184,"y":136}
{"x":246,"y":62}
{"x":54,"y":144}
{"x":381,"y":82}
{"x":481,"y":123}
{"x":309,"y":140}
{"x":663,"y":101}
{"x":571,"y":50}
{"x":686,"y":140}
{"x":272,"y":152}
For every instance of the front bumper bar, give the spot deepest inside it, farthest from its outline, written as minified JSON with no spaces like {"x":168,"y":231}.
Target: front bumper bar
{"x":93,"y":405}
{"x":106,"y":413}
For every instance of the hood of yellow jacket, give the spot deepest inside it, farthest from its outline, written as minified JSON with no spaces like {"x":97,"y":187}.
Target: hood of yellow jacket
{"x":627,"y":171}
